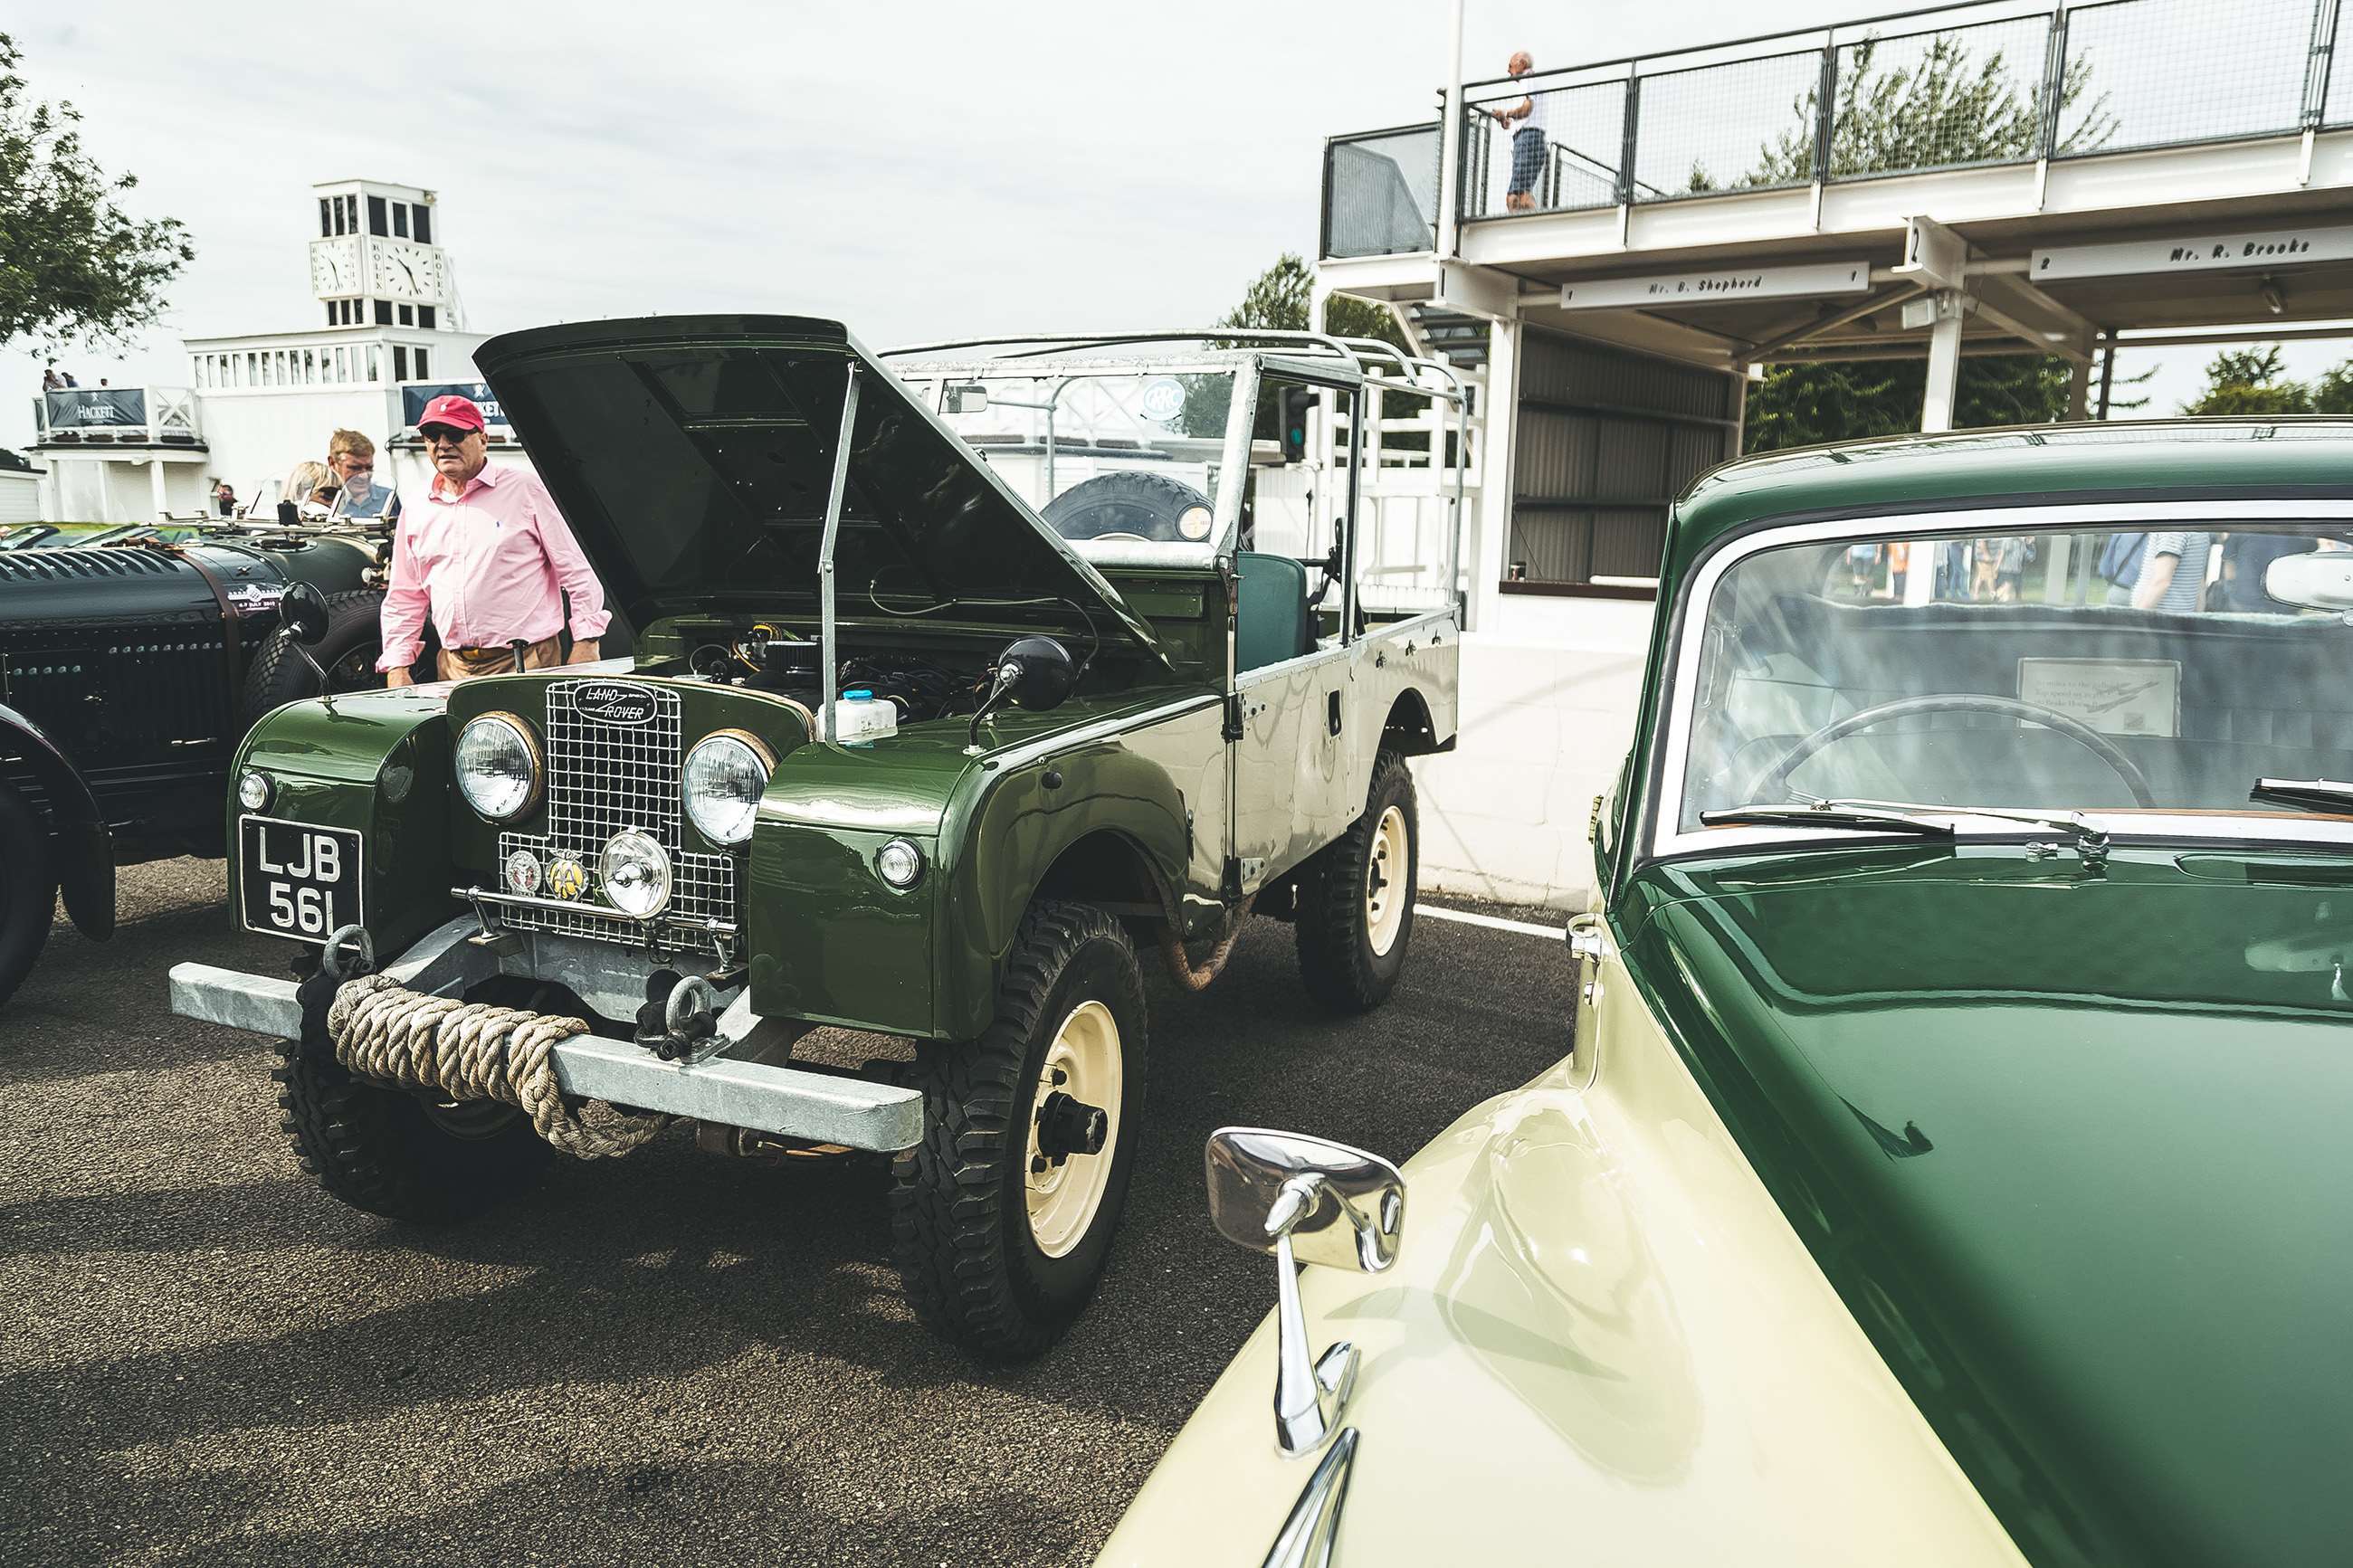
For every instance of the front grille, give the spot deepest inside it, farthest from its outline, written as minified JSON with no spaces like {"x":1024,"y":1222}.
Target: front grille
{"x":603,"y":778}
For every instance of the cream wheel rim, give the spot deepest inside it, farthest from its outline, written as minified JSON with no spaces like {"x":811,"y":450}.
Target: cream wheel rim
{"x":1084,"y":1062}
{"x":1384,"y":883}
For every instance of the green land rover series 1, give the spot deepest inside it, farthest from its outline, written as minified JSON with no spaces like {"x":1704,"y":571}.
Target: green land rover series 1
{"x":959,"y":683}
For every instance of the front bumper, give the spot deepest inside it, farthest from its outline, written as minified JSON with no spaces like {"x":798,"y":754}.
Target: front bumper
{"x":790,"y":1102}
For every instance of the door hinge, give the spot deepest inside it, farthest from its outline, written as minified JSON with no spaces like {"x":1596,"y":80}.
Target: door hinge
{"x":1233,"y":716}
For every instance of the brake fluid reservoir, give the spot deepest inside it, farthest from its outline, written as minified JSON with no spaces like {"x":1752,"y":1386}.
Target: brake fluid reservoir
{"x":857,"y":715}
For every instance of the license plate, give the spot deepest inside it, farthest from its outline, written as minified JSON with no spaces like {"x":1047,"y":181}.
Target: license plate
{"x":299,"y":880}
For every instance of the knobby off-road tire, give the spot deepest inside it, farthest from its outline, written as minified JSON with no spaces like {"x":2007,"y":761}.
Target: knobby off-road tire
{"x":387,"y":1151}
{"x":997,"y":1257}
{"x":348,"y":652}
{"x":29,"y":888}
{"x":1357,"y":895}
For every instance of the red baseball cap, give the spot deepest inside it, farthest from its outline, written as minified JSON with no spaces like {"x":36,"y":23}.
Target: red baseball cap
{"x":452,"y":410}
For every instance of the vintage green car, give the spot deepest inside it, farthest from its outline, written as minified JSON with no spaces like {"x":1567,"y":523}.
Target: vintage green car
{"x":915,"y":742}
{"x":1948,"y":1166}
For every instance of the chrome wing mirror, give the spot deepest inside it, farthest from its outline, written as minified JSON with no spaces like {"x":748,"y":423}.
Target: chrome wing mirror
{"x":1306,"y":1200}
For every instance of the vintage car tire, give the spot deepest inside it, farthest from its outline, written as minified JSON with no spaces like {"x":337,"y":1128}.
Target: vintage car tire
{"x":354,"y":636}
{"x":1352,"y":932}
{"x":1167,"y":499}
{"x":382,"y":1150}
{"x":968,"y":1249}
{"x":29,"y":889}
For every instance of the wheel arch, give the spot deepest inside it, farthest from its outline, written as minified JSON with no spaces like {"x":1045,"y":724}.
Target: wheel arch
{"x":1112,"y":831}
{"x":85,"y":848}
{"x":1409,"y":731}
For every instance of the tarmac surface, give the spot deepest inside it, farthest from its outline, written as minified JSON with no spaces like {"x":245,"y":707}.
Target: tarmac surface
{"x":672,"y":1357}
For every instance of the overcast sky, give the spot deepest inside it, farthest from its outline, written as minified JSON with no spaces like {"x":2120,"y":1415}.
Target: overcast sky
{"x":917,"y":170}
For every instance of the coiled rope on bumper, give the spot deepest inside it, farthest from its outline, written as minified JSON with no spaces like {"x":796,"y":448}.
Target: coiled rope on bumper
{"x":471,"y":1050}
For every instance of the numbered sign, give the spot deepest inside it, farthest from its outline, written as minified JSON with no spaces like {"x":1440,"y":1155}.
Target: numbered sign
{"x":298,"y":879}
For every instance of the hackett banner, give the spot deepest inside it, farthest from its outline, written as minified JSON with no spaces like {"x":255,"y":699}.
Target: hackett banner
{"x":2139,"y":257}
{"x":95,"y":407}
{"x":414,"y":397}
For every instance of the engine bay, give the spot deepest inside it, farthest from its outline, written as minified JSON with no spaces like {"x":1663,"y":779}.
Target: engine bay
{"x":918,"y":687}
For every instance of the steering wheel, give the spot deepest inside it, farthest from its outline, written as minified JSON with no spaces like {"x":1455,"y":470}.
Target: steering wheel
{"x":1773,"y":783}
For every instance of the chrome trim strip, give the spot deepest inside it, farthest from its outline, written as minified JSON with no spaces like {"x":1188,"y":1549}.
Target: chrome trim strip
{"x":1311,"y":1535}
{"x":706,"y":927}
{"x":2004,"y":520}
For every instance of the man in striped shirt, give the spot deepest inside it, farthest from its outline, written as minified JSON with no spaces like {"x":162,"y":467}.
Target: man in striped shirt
{"x":2172,"y":571}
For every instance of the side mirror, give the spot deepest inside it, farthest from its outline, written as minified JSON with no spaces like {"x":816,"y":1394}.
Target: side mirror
{"x":1306,"y":1200}
{"x":2315,"y":579}
{"x":1036,"y":673}
{"x":966,"y":397}
{"x":304,"y":611}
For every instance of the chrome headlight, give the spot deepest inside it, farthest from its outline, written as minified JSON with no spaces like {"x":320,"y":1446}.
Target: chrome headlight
{"x":253,"y":791}
{"x":899,"y":863}
{"x":635,"y":872}
{"x":498,"y":766}
{"x":722,"y":780}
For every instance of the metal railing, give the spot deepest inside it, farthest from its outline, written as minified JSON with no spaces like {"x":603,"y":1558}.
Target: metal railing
{"x":124,"y":413}
{"x":1952,"y":87}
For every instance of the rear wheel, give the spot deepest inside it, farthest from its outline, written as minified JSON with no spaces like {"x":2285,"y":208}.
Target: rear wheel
{"x":1003,"y":1216}
{"x":29,"y":888}
{"x":1355,"y":898}
{"x":354,"y":640}
{"x":394,"y":1153}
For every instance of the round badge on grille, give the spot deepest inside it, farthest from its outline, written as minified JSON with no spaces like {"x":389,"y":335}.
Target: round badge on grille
{"x":566,"y":878}
{"x":613,"y":702}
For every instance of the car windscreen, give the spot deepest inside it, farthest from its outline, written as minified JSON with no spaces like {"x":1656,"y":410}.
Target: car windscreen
{"x":1119,"y":457}
{"x":2152,"y":670}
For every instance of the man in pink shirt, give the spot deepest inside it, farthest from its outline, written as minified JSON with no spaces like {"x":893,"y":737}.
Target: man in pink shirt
{"x":489,"y":557}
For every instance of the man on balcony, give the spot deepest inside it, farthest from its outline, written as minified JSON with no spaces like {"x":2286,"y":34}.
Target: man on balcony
{"x":1529,"y":144}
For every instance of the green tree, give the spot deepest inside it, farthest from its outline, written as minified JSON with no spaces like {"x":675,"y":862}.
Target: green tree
{"x":2333,"y":392}
{"x":1276,"y":301}
{"x":1947,"y":106}
{"x":74,"y":268}
{"x":2251,"y":381}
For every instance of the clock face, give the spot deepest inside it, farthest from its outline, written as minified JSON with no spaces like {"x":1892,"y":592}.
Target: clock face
{"x":405,"y":271}
{"x":335,"y":268}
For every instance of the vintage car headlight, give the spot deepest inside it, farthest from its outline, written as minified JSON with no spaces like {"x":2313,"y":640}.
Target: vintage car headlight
{"x":635,"y":872}
{"x":253,"y":791}
{"x":725,"y":775}
{"x":498,"y":766}
{"x":899,"y":863}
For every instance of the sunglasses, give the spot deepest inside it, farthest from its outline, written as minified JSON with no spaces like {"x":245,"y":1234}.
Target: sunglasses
{"x":444,"y":433}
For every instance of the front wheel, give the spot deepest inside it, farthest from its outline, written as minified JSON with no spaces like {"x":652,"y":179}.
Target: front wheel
{"x":1356,"y":897}
{"x":1002,"y":1217}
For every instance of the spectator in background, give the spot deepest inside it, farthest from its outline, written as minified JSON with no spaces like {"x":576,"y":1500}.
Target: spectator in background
{"x":351,"y":484}
{"x":50,"y":380}
{"x":2120,"y":560}
{"x":2172,"y":571}
{"x":1529,"y":144}
{"x":225,"y":500}
{"x":303,"y":481}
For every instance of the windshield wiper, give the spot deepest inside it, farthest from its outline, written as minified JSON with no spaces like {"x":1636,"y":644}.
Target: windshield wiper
{"x":1823,"y":814}
{"x":2319,"y":794}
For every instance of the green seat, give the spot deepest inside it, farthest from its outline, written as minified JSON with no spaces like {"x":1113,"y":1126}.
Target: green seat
{"x":1270,"y":617}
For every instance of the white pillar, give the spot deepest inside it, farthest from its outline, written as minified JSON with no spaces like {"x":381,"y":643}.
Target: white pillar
{"x":1493,"y":526}
{"x":155,"y":489}
{"x":1944,"y":363}
{"x":105,"y":493}
{"x":1449,"y":137}
{"x":52,"y":511}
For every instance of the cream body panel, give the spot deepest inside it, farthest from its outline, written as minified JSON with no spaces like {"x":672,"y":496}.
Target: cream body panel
{"x":1601,"y":1342}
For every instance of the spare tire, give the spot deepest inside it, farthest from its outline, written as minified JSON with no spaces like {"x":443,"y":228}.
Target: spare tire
{"x":354,"y":640}
{"x":1150,"y":506}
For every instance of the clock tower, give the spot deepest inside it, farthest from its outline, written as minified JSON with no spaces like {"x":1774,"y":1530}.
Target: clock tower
{"x":377,"y":259}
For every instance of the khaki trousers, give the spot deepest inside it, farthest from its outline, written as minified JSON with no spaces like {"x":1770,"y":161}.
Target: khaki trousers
{"x":466,"y":663}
